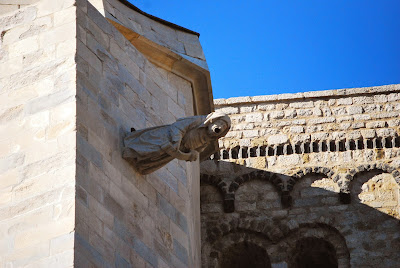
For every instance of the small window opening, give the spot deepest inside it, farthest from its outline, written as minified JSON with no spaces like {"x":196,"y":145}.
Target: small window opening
{"x":297,"y":149}
{"x":289,"y":149}
{"x":379,"y":143}
{"x":315,"y":147}
{"x":262,"y":150}
{"x":397,"y":142}
{"x":279,"y":150}
{"x":370,"y":145}
{"x":270,"y":151}
{"x":352,"y":145}
{"x":253,"y":152}
{"x":324,"y":146}
{"x":342,"y":146}
{"x":360,"y":144}
{"x":244,"y":152}
{"x":388,"y":142}
{"x":332,"y":146}
{"x":307,"y":147}
{"x":235,"y":153}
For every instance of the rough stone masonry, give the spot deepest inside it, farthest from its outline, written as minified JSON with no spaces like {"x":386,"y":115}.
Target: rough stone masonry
{"x":304,"y":177}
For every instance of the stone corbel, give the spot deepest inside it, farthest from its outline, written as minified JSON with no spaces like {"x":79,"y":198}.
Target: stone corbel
{"x":151,"y":148}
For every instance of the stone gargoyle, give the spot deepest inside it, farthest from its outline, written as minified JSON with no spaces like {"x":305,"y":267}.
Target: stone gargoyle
{"x":151,"y":148}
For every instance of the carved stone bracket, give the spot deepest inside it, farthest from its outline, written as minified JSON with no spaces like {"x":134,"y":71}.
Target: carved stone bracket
{"x":151,"y":148}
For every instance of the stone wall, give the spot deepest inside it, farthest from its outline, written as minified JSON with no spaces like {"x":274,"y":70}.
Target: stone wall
{"x":303,"y":167}
{"x":37,"y":134}
{"x":124,"y":218}
{"x":71,"y":87}
{"x":7,"y":6}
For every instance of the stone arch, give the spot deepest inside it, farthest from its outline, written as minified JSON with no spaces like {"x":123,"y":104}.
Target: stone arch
{"x":274,"y":237}
{"x":242,"y":249}
{"x":344,"y":182}
{"x":313,"y":252}
{"x":256,"y":175}
{"x":302,"y":173}
{"x":262,"y":175}
{"x":216,"y":181}
{"x":299,"y":174}
{"x":386,"y":168}
{"x":320,"y":232}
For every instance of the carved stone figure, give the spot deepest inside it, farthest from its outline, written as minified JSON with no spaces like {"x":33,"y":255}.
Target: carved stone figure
{"x":151,"y":148}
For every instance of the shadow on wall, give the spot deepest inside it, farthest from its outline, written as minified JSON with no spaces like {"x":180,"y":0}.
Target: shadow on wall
{"x":314,"y":217}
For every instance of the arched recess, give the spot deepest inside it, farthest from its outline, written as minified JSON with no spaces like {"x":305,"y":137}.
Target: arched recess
{"x":377,"y":189}
{"x":279,"y":240}
{"x":326,"y":237}
{"x":228,"y":198}
{"x":244,"y":254}
{"x":324,"y":180}
{"x":376,"y":166}
{"x":346,"y":182}
{"x":299,"y":174}
{"x":236,"y":248}
{"x":262,"y":175}
{"x":313,"y":252}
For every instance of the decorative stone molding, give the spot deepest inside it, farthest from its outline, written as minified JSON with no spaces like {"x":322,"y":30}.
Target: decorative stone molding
{"x":284,"y":184}
{"x":243,"y":152}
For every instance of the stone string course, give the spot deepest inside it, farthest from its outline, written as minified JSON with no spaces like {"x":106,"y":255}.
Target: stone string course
{"x":316,"y":164}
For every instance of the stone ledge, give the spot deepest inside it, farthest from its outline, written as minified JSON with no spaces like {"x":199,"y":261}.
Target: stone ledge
{"x":307,"y":95}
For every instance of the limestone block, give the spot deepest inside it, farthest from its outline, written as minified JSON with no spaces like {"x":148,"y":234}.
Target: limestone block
{"x":339,"y":110}
{"x":301,"y":138}
{"x":65,"y":16}
{"x":297,"y":129}
{"x":386,"y":132}
{"x":290,"y":113}
{"x":305,"y":104}
{"x":194,"y":50}
{"x":278,"y":139}
{"x":344,"y":101}
{"x":8,"y":8}
{"x":355,"y":135}
{"x":277,"y":115}
{"x":362,"y":117}
{"x":247,"y":109}
{"x":319,"y":136}
{"x":248,"y":133}
{"x":18,"y":17}
{"x":265,"y":107}
{"x":254,"y":117}
{"x":376,"y":124}
{"x":363,"y":100}
{"x":358,"y":125}
{"x":238,"y":100}
{"x":304,"y":112}
{"x":354,"y":110}
{"x":289,"y":160}
{"x":57,"y":35}
{"x":323,"y":120}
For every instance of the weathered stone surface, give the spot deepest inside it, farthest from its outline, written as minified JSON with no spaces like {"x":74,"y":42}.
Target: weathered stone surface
{"x":323,"y":155}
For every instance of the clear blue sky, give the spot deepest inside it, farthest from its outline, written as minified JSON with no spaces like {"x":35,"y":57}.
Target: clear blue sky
{"x":262,"y":47}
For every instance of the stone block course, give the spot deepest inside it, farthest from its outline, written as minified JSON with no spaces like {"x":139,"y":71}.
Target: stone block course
{"x":323,"y":169}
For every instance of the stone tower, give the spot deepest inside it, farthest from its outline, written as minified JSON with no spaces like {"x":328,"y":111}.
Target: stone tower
{"x":75,"y":77}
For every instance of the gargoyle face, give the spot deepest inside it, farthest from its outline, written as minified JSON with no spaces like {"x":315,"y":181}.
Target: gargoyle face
{"x":217,"y":128}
